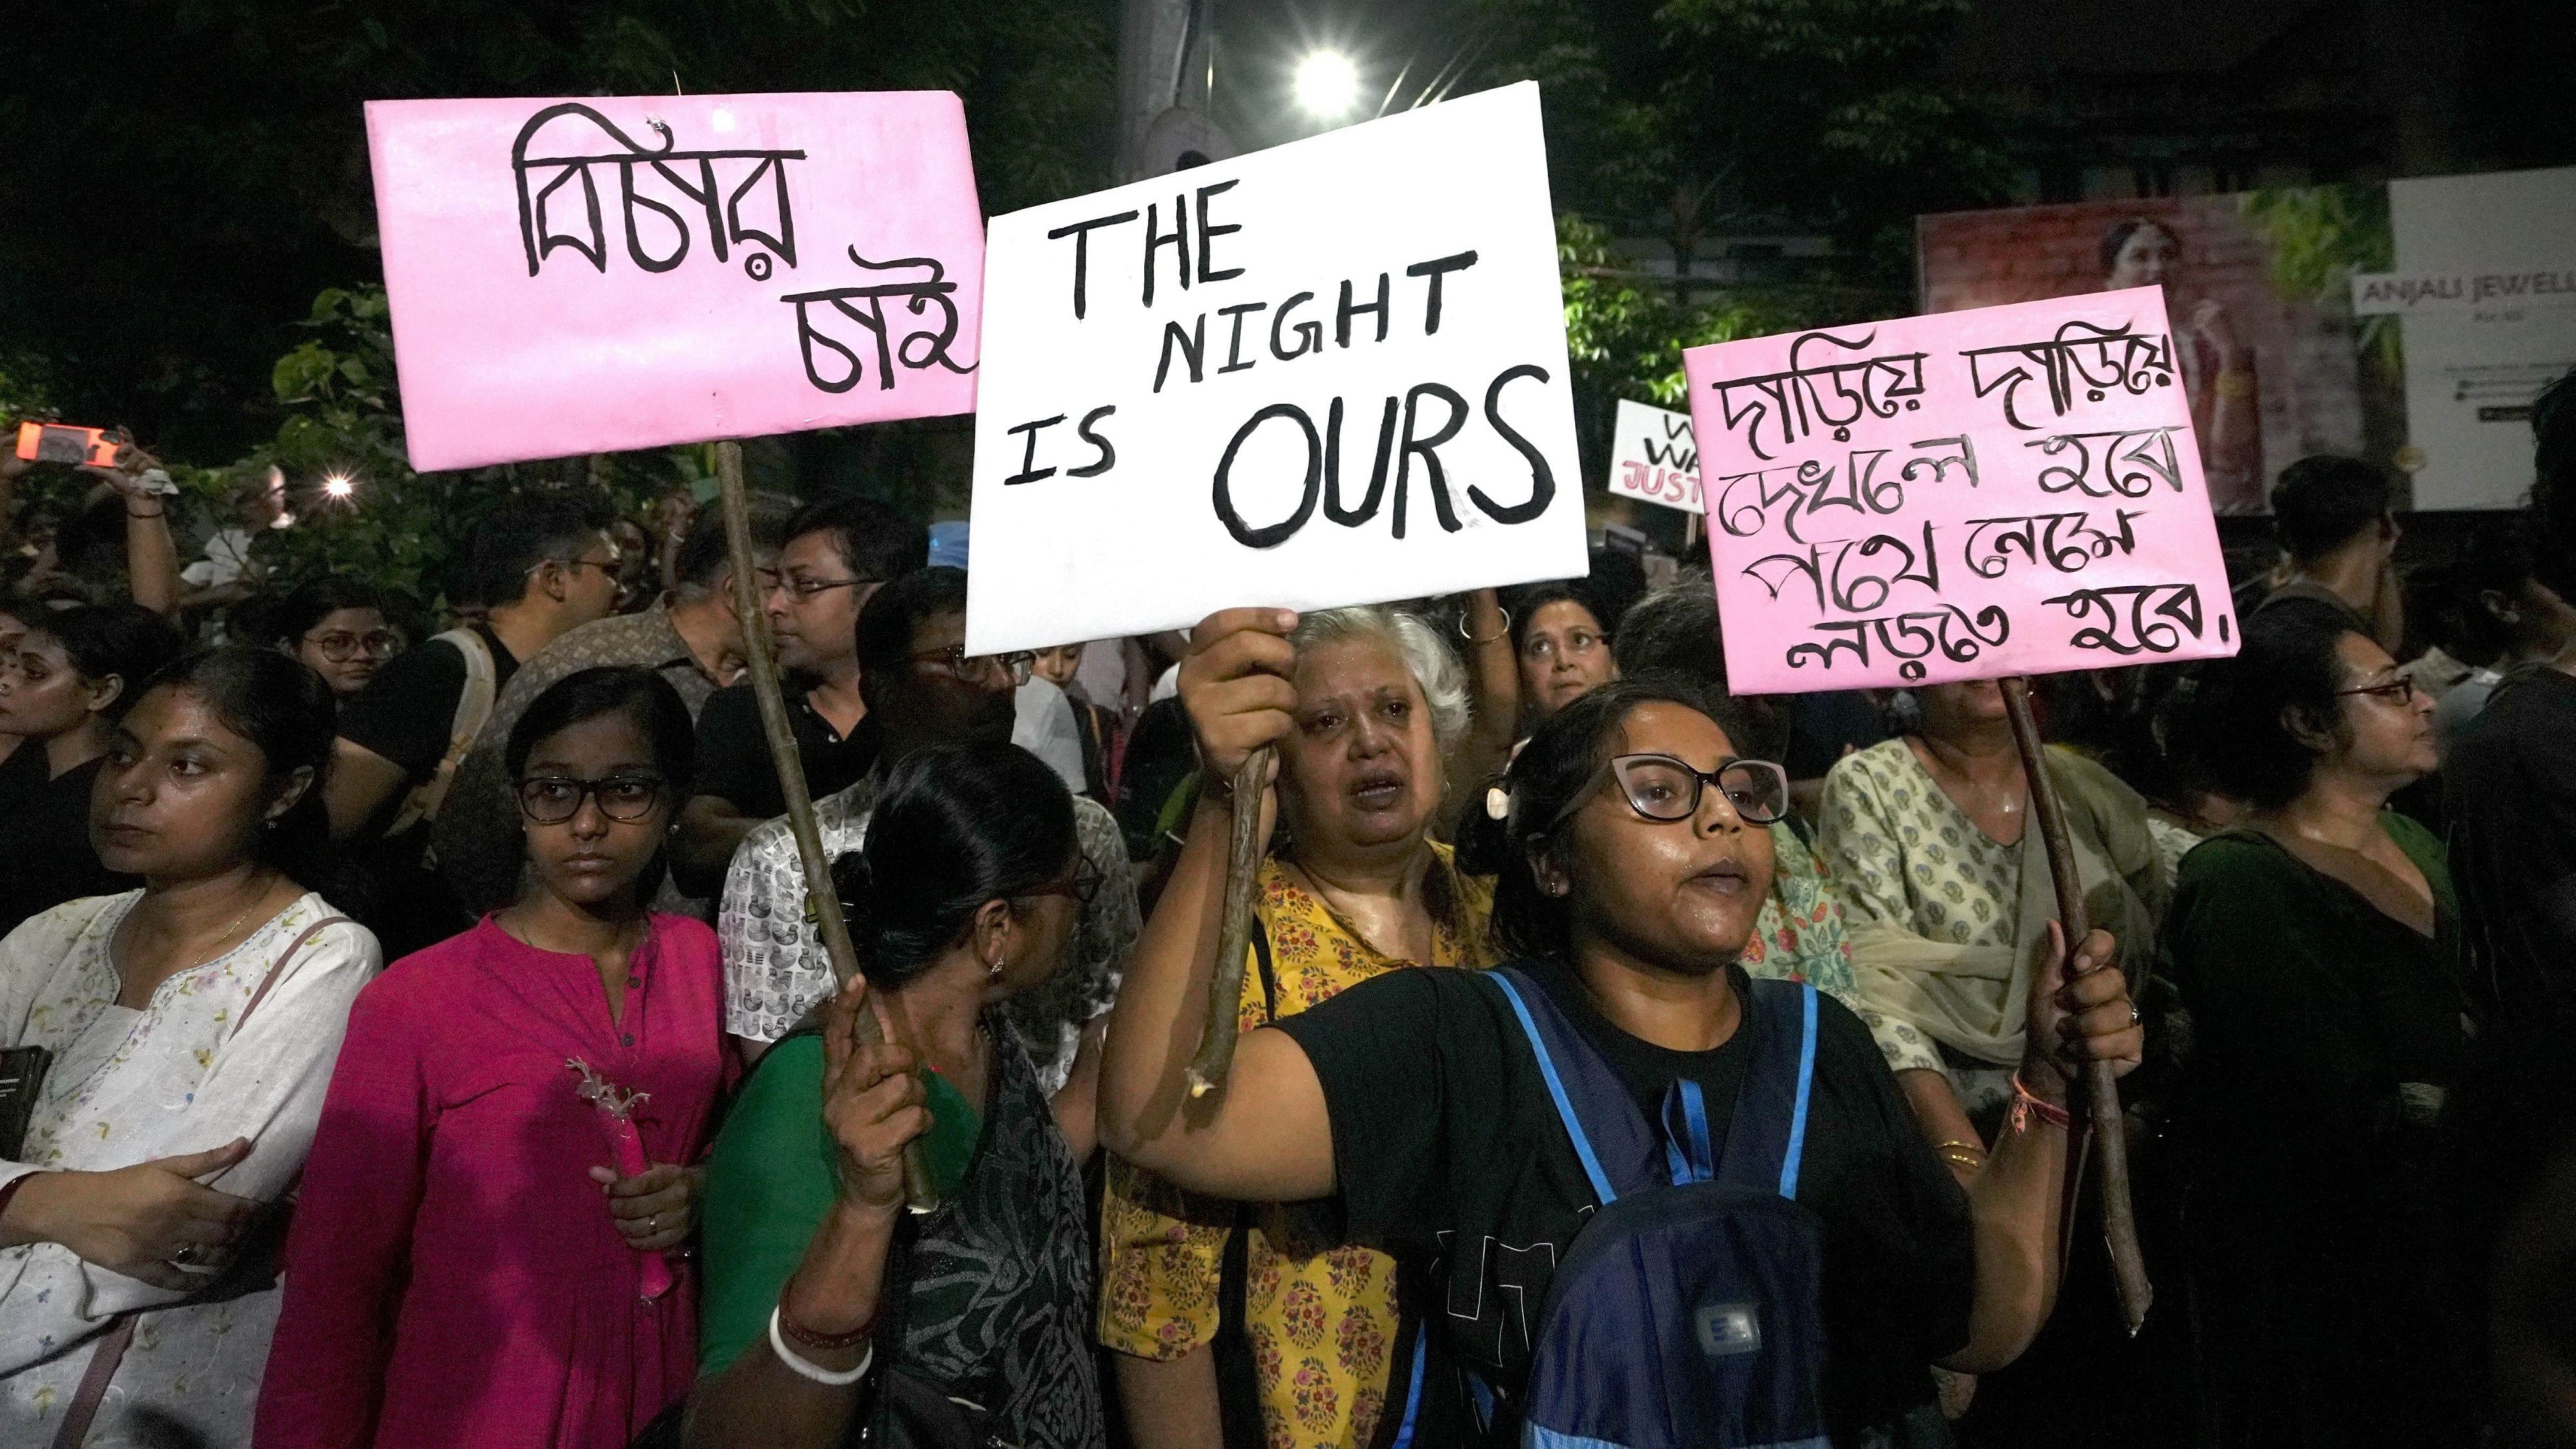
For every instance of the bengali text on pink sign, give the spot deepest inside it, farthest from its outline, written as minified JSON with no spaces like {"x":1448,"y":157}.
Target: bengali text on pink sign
{"x":577,"y":276}
{"x":2011,"y":490}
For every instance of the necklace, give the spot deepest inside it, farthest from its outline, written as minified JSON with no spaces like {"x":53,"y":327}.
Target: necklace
{"x":229,"y":926}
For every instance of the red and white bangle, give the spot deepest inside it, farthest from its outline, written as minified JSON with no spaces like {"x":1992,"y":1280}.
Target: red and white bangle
{"x":803,"y":1368}
{"x":2028,"y":1104}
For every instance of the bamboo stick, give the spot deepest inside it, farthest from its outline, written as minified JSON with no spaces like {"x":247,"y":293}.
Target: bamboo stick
{"x":2099,"y":1084}
{"x":1215,"y":1057}
{"x":829,"y":924}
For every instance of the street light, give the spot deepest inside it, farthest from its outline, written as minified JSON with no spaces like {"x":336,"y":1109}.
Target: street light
{"x":1327,"y":84}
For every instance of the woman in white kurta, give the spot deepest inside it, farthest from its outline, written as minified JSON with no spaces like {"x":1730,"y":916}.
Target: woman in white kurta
{"x":194,"y":1025}
{"x":1948,"y":897}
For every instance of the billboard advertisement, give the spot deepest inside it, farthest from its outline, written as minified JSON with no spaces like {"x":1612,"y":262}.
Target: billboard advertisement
{"x":2287,"y":330}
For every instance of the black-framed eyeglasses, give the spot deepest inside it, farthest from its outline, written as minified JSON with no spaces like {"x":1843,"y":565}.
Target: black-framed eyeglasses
{"x":1663,"y":787}
{"x":805,"y":588}
{"x":554,"y":799}
{"x":958,"y":662}
{"x":340,"y":646}
{"x":1083,"y":885}
{"x":2401,"y":690}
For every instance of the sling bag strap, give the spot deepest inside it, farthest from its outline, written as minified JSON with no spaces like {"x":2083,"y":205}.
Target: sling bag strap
{"x":278,"y":968}
{"x":93,"y":1385}
{"x":104,"y":1359}
{"x":473,"y":709}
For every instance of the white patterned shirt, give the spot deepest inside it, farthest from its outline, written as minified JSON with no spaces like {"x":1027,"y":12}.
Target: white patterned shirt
{"x":775,"y":969}
{"x":127,"y":1086}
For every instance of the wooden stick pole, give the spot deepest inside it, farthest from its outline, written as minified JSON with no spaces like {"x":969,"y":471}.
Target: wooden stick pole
{"x":1215,"y":1057}
{"x":2098,"y":1084}
{"x":824,"y":902}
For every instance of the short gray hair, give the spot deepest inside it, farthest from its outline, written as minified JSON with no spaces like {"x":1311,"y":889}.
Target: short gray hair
{"x":1426,"y":656}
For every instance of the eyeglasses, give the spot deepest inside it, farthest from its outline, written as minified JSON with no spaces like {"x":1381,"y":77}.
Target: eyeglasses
{"x":2400,"y":690}
{"x":1082,"y":886}
{"x":554,"y":799}
{"x":955,"y":660}
{"x":616,"y":557}
{"x":340,"y":646}
{"x":1660,"y":787}
{"x":805,"y":588}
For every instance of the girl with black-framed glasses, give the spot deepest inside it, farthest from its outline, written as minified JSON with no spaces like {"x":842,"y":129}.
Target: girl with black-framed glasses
{"x":493,"y":1240}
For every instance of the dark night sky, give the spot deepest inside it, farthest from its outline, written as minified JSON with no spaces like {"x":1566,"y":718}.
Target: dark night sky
{"x":1258,"y":43}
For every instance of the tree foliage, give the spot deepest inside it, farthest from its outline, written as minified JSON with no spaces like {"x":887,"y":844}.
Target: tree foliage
{"x":1687,"y":118}
{"x":1690,"y":121}
{"x":399,"y":529}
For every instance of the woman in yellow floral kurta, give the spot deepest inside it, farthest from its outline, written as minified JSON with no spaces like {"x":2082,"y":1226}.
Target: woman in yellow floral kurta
{"x":1362,"y":890}
{"x":1321,"y":1323}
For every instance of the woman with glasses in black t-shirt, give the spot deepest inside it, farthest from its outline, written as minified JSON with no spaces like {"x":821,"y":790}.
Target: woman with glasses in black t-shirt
{"x":339,"y":629}
{"x":1415,"y":1100}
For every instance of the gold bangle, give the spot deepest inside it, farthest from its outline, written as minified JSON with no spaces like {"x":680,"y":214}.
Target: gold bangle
{"x":1492,"y":639}
{"x":1962,"y":1146}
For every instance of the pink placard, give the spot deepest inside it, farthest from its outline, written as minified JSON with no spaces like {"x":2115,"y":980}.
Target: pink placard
{"x":579,"y":276}
{"x":2011,"y":490}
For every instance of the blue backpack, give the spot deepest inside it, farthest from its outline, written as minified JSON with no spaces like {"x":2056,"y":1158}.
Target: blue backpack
{"x":1688,"y":1311}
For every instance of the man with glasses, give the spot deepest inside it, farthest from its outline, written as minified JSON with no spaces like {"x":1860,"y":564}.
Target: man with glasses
{"x":840,"y":550}
{"x":693,"y":639}
{"x":923,"y":689}
{"x":539,"y":568}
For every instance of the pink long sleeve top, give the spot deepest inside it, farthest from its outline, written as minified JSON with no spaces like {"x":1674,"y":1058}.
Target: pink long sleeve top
{"x":453,"y":1278}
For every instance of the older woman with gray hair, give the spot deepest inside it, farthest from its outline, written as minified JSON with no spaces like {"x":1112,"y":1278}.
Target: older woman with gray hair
{"x":1372,"y":702}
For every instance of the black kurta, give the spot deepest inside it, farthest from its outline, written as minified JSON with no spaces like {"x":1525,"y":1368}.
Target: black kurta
{"x":2327,"y":1037}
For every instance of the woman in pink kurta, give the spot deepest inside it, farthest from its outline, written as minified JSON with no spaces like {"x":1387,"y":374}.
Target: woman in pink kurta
{"x":470,"y":1263}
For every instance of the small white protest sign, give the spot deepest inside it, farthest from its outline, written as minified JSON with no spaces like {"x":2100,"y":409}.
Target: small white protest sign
{"x":1328,"y":373}
{"x":1653,"y":457}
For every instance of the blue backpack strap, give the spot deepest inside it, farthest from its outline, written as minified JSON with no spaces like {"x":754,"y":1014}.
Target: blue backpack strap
{"x":1619,"y":1149}
{"x":1413,"y":1395}
{"x":1686,"y":1140}
{"x":1768,"y":1135}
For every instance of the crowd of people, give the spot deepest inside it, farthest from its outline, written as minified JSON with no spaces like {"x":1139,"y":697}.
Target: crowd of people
{"x":433,"y":1041}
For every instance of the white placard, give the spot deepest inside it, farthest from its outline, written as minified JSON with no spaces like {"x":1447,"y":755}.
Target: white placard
{"x":1328,"y":373}
{"x":1653,"y":457}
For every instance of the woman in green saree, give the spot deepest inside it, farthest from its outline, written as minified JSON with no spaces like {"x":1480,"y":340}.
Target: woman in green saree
{"x":964,"y":896}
